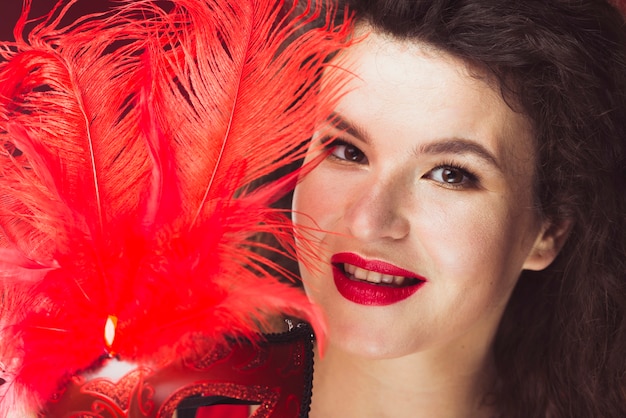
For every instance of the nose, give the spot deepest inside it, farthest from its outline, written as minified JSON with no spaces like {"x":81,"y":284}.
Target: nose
{"x":378,"y":212}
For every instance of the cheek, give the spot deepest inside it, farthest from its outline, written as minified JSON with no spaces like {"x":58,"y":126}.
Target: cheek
{"x":313,"y":214}
{"x":476,"y":239}
{"x":315,"y":201}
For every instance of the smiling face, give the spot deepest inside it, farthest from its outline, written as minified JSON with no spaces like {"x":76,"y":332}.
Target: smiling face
{"x":424,"y":205}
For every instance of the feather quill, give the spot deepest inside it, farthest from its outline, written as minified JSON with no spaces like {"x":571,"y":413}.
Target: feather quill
{"x":129,"y":141}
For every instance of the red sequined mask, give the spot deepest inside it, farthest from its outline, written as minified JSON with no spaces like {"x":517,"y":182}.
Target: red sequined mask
{"x":274,"y":374}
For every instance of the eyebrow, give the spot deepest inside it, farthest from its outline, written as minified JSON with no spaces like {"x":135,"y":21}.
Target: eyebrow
{"x":341,"y":124}
{"x":445,"y":146}
{"x":460,"y":146}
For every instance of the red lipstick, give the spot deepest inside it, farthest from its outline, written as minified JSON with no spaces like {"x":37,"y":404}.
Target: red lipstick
{"x":366,"y":293}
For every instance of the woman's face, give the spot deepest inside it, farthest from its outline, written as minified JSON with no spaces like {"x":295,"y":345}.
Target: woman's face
{"x":423,"y":208}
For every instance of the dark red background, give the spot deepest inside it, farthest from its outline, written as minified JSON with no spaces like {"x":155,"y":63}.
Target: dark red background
{"x":10,"y":11}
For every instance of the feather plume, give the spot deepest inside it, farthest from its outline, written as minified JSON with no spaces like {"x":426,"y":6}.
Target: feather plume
{"x":129,"y":141}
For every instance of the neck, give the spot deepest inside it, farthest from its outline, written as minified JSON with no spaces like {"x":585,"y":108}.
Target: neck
{"x":441,"y":385}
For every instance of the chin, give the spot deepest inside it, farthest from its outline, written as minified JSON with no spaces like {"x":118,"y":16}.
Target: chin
{"x":368,"y":343}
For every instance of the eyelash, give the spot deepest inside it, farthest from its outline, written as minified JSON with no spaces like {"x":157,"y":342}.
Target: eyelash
{"x":470,"y":180}
{"x":330,"y":144}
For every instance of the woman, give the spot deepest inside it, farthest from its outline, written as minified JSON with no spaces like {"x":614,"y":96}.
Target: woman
{"x":470,"y":212}
{"x":469,"y":209}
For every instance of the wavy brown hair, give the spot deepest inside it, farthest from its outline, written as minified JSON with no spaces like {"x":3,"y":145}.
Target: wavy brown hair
{"x":561,"y":347}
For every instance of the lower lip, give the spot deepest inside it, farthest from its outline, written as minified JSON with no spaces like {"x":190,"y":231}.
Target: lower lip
{"x":365,"y":293}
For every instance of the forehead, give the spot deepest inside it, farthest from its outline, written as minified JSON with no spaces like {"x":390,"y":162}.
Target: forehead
{"x":412,"y":90}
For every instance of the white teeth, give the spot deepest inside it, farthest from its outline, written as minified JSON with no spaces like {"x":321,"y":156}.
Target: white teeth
{"x":372,"y":276}
{"x":387,"y":278}
{"x":349,"y":268}
{"x":360,"y":274}
{"x":399,"y":280}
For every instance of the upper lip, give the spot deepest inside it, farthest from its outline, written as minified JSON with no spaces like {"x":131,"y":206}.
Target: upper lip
{"x":378,"y":266}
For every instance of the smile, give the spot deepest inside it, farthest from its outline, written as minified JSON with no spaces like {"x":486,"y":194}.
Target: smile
{"x":372,"y":282}
{"x":356,"y":273}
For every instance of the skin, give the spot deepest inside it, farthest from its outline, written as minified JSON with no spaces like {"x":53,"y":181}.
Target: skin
{"x":432,"y":172}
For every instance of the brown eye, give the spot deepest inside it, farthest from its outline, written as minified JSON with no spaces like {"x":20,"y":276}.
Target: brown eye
{"x":345,"y":151}
{"x":453,"y":176}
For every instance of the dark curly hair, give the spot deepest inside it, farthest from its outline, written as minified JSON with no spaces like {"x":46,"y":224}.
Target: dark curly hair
{"x":561,"y":347}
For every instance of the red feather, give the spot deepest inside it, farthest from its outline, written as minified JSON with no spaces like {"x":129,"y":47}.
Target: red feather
{"x":130,"y":138}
